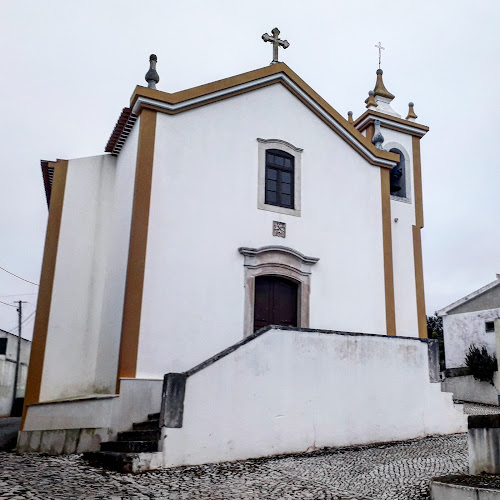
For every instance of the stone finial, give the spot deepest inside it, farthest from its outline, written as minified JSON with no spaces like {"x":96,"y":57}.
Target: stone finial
{"x":380,"y":89}
{"x":349,"y":117}
{"x":411,"y":112}
{"x":370,"y":100}
{"x":378,"y":138}
{"x":152,"y":76}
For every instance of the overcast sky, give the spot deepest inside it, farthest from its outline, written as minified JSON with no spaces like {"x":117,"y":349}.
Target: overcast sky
{"x":70,"y":67}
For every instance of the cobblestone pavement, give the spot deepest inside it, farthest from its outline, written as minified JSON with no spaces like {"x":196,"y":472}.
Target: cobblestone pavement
{"x":393,"y":471}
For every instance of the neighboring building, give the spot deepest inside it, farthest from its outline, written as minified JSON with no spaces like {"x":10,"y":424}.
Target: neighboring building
{"x":221,"y":210}
{"x":470,"y":320}
{"x":8,"y":357}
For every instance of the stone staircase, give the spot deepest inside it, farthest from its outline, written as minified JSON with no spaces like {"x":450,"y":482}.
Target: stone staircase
{"x":133,"y":450}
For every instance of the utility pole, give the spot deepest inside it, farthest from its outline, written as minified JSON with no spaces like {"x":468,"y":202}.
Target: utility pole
{"x":18,"y":356}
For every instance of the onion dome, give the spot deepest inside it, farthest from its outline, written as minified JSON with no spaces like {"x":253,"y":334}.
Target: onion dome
{"x":380,"y":89}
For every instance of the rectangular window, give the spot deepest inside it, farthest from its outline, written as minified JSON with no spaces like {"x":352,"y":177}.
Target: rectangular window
{"x":489,"y":326}
{"x":3,"y":346}
{"x":279,"y":178}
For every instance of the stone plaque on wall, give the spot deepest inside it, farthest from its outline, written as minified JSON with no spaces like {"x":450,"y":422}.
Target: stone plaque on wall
{"x":279,"y":229}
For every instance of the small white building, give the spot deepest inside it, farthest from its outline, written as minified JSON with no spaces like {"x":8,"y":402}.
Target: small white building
{"x":8,"y":359}
{"x":470,"y":320}
{"x":218,"y":211}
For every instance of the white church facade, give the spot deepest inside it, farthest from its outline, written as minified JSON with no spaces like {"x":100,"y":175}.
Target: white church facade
{"x":217,"y":212}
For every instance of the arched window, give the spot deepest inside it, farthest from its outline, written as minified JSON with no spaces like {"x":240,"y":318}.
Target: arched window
{"x":279,"y":178}
{"x":398,"y":176}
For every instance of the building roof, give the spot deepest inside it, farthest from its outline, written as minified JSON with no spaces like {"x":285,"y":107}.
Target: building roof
{"x":469,"y":297}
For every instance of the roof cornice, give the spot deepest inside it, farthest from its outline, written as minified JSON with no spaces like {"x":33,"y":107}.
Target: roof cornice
{"x":388,"y":121}
{"x":280,"y":73}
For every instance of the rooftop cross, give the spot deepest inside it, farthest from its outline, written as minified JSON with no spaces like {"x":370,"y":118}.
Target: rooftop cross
{"x":276,"y":43}
{"x":380,"y":49}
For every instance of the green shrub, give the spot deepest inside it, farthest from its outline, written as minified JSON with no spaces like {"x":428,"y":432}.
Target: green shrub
{"x":482,"y":366}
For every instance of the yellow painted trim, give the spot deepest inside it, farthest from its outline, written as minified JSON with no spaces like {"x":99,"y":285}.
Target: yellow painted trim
{"x":419,"y":282}
{"x":390,"y":309}
{"x":196,"y":92}
{"x":35,"y":370}
{"x":377,"y":114}
{"x":417,"y":240}
{"x":417,"y":179}
{"x":129,"y":342}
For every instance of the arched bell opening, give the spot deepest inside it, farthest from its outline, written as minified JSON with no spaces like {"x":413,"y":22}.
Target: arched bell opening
{"x":398,"y":176}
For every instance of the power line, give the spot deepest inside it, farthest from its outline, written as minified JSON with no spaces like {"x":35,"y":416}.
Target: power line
{"x":5,"y":303}
{"x":28,"y":281}
{"x":14,"y":328}
{"x":19,"y":294}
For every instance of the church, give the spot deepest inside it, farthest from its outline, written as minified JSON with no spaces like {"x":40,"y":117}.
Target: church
{"x":213,"y":288}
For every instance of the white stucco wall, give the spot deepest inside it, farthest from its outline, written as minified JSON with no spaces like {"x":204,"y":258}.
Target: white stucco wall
{"x":78,"y":289}
{"x":204,"y":206}
{"x":462,"y":330}
{"x":290,"y":391}
{"x":402,"y":240}
{"x":115,"y":264}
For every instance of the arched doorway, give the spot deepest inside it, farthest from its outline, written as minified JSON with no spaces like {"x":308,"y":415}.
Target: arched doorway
{"x":275,"y":302}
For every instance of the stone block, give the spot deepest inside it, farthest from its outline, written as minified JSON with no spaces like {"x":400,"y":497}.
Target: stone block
{"x":90,"y":439}
{"x":35,"y":439}
{"x":53,"y":442}
{"x":484,"y":444}
{"x":23,"y":441}
{"x":71,"y":441}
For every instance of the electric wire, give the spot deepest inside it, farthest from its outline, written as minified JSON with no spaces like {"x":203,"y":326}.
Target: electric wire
{"x":28,"y":281}
{"x":5,"y":303}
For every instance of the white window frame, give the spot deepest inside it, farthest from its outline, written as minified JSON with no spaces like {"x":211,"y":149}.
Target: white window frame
{"x":296,"y":152}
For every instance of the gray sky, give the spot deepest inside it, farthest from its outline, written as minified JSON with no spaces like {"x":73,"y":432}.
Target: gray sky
{"x":70,"y":67}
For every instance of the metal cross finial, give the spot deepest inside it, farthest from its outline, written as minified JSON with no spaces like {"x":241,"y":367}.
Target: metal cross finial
{"x":276,"y":43}
{"x":380,"y":49}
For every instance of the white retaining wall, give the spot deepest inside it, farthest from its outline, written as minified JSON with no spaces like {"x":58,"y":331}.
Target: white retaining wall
{"x":290,"y":391}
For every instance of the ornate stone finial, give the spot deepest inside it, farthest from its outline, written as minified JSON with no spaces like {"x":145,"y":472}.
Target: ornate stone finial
{"x":380,"y":89}
{"x":152,"y":76}
{"x":276,"y":43}
{"x":411,"y":112}
{"x":370,"y":100}
{"x":349,"y":117}
{"x":378,"y":138}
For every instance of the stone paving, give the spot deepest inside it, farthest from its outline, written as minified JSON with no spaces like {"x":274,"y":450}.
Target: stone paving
{"x":392,"y":471}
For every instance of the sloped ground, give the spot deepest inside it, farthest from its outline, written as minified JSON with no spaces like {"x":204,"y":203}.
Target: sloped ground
{"x":393,"y":471}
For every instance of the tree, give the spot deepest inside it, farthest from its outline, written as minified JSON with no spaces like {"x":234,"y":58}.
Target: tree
{"x":481,"y":364}
{"x":435,"y":331}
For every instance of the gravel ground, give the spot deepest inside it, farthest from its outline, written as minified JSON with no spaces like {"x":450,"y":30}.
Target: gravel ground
{"x":393,"y":471}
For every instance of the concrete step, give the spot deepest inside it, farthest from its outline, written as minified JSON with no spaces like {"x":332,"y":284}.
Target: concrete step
{"x":140,"y":435}
{"x":112,"y":460}
{"x":154,"y":416}
{"x":144,"y":426}
{"x":130,"y":446}
{"x":125,"y":462}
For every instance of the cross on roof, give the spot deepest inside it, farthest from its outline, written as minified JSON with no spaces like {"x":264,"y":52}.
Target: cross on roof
{"x":380,"y":49}
{"x":276,"y":43}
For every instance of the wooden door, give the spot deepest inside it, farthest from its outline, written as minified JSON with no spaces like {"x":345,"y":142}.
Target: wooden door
{"x":275,"y":302}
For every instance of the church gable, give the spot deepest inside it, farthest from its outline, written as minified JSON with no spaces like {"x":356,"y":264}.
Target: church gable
{"x":147,"y":98}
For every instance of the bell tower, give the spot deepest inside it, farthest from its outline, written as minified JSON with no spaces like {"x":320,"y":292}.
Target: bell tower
{"x":386,"y":128}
